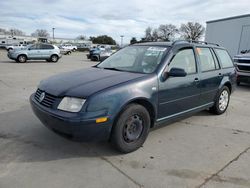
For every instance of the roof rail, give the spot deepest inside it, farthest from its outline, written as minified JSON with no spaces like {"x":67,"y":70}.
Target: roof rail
{"x":195,"y":41}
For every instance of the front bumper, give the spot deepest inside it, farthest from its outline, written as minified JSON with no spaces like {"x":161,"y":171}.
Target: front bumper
{"x":243,"y":76}
{"x":82,"y":129}
{"x":12,"y":56}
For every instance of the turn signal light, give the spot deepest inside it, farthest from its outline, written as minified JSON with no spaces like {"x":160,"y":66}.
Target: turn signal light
{"x":101,"y":120}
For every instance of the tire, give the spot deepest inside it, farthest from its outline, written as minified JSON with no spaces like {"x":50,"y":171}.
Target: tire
{"x":22,"y":58}
{"x":74,"y":49}
{"x":48,"y":60}
{"x":131,"y":128}
{"x":54,"y":58}
{"x":222,"y":101}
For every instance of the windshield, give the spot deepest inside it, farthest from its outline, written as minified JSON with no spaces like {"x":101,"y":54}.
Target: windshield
{"x":141,"y":59}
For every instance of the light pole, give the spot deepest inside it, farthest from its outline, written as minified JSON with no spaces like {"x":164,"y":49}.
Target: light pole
{"x":122,"y":40}
{"x":53,"y":29}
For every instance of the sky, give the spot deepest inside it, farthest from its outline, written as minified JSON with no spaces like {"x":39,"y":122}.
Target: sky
{"x":130,"y":18}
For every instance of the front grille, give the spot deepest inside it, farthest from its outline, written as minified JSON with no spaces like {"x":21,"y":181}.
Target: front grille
{"x":243,"y":68}
{"x":48,"y":100}
{"x":244,"y":61}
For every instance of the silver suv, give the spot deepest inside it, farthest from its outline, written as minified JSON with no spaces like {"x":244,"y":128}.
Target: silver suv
{"x":48,"y":52}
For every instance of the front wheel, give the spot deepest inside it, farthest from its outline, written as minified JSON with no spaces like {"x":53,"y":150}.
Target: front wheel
{"x":22,"y":58}
{"x":131,"y":128}
{"x":222,"y":101}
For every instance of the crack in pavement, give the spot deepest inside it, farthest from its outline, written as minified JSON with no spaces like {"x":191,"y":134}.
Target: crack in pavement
{"x":116,"y":167}
{"x":119,"y":170}
{"x":223,"y":168}
{"x":7,"y":85}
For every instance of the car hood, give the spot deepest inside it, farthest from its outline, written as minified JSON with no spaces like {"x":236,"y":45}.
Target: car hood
{"x":242,"y":56}
{"x":85,"y":82}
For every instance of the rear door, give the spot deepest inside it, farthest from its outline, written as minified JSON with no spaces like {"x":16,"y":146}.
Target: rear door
{"x":178,"y":95}
{"x":46,"y":50}
{"x":211,"y":74}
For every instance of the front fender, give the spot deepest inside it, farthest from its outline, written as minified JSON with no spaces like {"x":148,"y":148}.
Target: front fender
{"x":114,"y":99}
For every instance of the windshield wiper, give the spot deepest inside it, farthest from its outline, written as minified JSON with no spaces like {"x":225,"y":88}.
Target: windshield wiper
{"x":112,"y":68}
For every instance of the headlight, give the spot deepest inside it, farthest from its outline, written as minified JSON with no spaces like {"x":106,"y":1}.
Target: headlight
{"x":71,"y":104}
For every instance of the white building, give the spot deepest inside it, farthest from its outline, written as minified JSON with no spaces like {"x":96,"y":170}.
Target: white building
{"x":232,"y":33}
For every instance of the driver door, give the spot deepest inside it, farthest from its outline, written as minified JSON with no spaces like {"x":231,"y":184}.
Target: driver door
{"x":178,"y":95}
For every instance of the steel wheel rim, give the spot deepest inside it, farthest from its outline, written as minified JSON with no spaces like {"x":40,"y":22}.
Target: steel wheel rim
{"x":223,"y":100}
{"x":133,"y":128}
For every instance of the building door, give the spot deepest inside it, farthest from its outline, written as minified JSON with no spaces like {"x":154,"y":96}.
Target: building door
{"x":244,"y":39}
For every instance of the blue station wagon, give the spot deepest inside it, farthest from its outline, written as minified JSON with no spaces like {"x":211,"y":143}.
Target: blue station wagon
{"x":139,"y":87}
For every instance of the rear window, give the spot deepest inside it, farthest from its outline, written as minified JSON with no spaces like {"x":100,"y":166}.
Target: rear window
{"x":224,"y":58}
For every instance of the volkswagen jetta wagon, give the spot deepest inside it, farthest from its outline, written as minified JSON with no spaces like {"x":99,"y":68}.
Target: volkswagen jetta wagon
{"x":140,"y":87}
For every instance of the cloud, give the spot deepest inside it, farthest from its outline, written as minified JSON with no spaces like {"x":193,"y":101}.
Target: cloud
{"x":112,"y":17}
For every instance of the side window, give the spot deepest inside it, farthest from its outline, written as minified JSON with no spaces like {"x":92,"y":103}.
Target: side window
{"x":224,"y":58}
{"x":217,"y":65}
{"x":33,"y":47}
{"x":206,"y":59}
{"x":46,"y":46}
{"x":184,"y":59}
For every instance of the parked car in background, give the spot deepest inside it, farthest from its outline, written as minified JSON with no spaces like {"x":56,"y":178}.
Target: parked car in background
{"x":65,"y":51}
{"x":242,"y":64}
{"x":16,"y":47}
{"x":68,"y":47}
{"x":101,"y":56}
{"x":94,"y":52}
{"x":48,"y":52}
{"x":139,"y":87}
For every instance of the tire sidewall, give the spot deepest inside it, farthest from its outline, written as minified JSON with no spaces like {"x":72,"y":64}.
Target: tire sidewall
{"x":117,"y":133}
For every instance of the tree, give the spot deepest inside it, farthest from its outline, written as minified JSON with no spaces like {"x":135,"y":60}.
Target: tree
{"x":192,"y":30}
{"x":81,"y":37}
{"x":40,"y":33}
{"x":12,"y":32}
{"x":167,"y":32}
{"x":148,"y":34}
{"x":155,"y":35}
{"x":103,"y":39}
{"x":133,"y":40}
{"x":16,"y":32}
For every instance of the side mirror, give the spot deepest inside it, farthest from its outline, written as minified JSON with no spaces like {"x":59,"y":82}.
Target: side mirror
{"x":177,"y":72}
{"x":174,"y":72}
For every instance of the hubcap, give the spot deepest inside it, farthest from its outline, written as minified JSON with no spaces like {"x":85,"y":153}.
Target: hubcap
{"x":133,"y":128}
{"x":21,"y":58}
{"x":54,"y":58}
{"x":223,"y":101}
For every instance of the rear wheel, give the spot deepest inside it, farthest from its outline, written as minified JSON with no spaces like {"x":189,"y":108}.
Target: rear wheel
{"x":54,"y":58}
{"x":131,"y":128}
{"x":22,"y":58}
{"x":222,"y":101}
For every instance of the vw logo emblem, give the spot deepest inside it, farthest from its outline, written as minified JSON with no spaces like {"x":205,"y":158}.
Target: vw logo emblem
{"x":42,"y":96}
